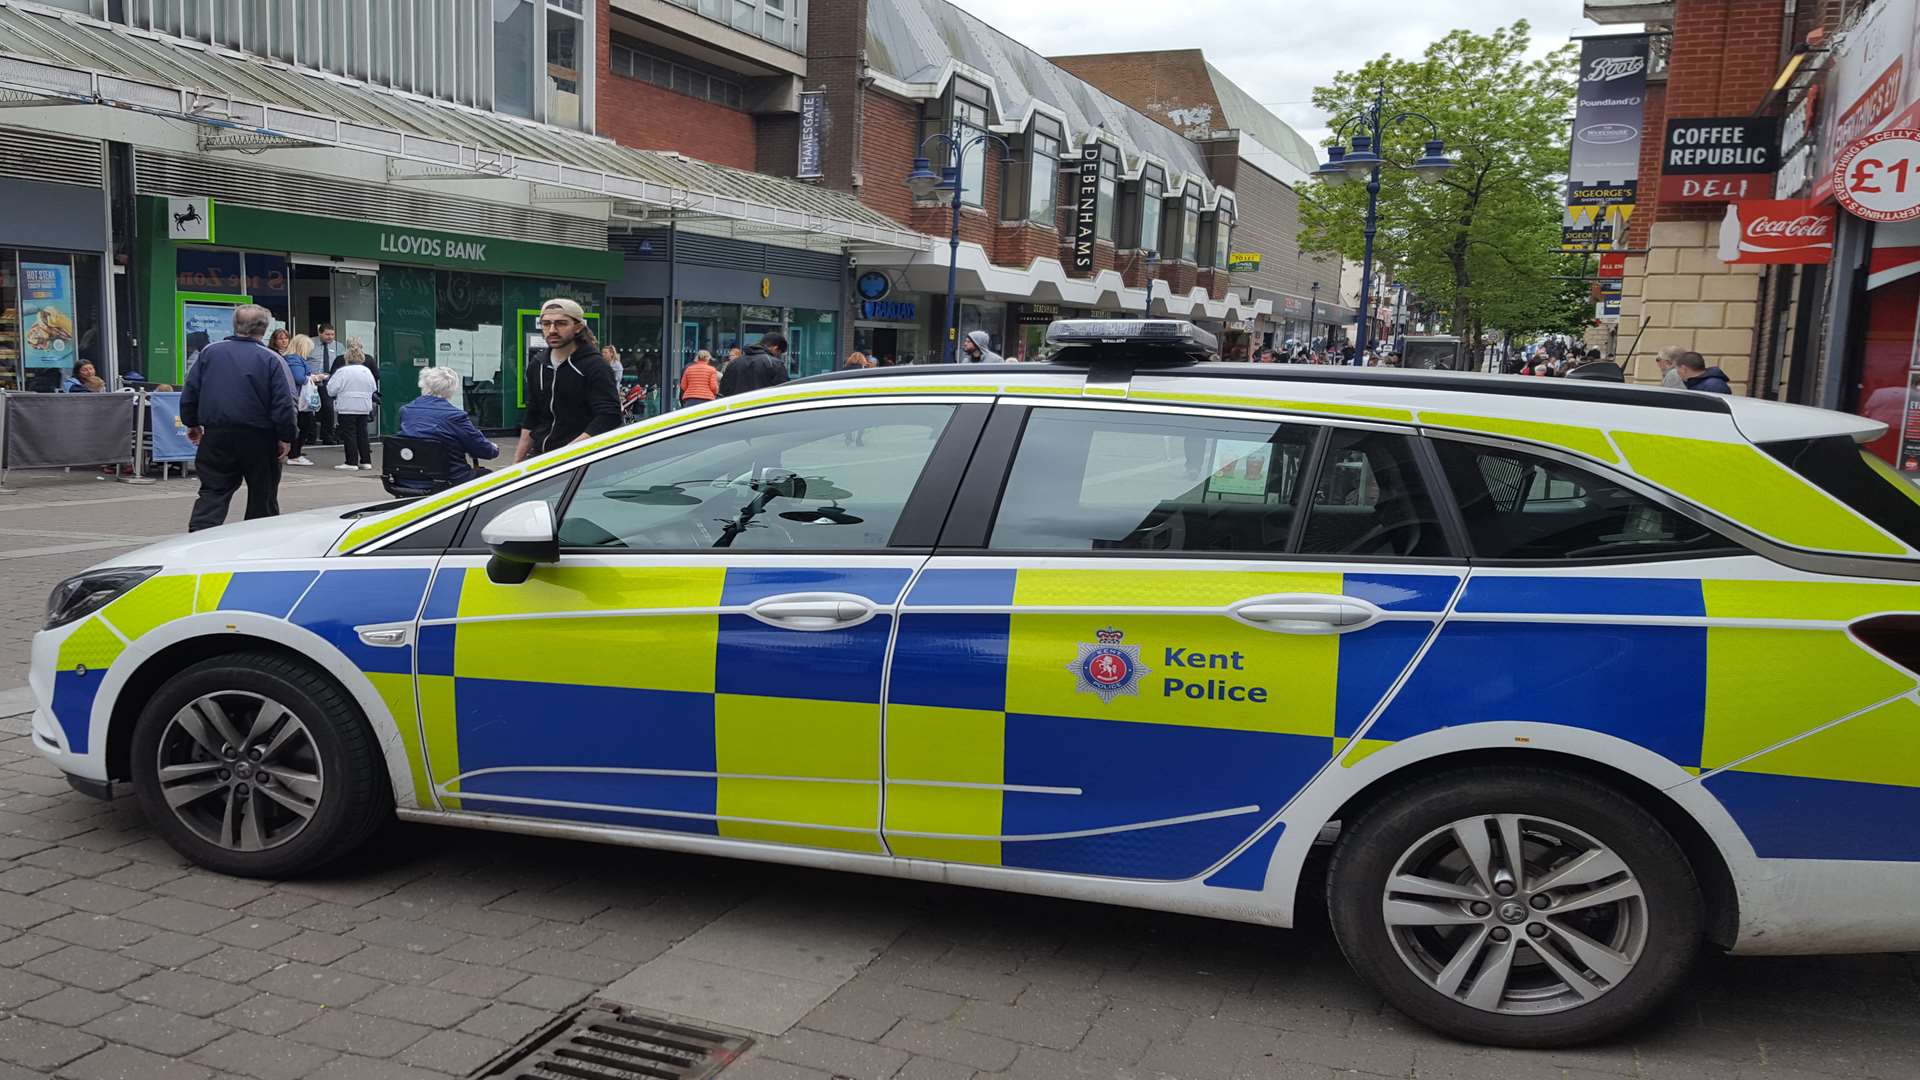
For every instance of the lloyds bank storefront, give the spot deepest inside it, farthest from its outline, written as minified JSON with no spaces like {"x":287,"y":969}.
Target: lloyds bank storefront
{"x":413,"y":297}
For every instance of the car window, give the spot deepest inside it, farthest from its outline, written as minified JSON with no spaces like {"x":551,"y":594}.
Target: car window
{"x":819,"y":479}
{"x":1370,"y":500}
{"x":1858,"y":477}
{"x":1521,"y":506}
{"x":1096,"y":480}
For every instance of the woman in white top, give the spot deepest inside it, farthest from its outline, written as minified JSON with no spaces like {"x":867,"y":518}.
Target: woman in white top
{"x":352,"y":390}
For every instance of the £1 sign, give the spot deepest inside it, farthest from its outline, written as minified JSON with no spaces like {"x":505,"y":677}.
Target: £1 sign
{"x":1878,"y":176}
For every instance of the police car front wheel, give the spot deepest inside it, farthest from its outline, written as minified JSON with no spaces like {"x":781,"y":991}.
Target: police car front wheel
{"x":257,"y":766}
{"x":1520,"y":907}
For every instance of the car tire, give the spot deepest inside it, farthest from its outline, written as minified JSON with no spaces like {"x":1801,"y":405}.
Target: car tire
{"x":306,"y":789}
{"x":1601,"y":927}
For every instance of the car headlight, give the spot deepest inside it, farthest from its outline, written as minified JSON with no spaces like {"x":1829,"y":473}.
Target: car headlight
{"x":84,"y":594}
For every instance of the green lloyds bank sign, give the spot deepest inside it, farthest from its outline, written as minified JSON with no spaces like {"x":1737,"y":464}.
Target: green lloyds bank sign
{"x":304,"y":234}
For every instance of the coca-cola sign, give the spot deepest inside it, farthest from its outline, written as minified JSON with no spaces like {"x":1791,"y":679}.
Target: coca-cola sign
{"x":1776,"y":231}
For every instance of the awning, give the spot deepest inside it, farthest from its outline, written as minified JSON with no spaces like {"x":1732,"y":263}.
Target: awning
{"x":247,"y":104}
{"x":1046,"y":281}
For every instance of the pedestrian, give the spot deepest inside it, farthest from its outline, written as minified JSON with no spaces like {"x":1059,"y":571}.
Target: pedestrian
{"x":433,"y":415}
{"x":760,"y":366}
{"x":569,"y":385}
{"x":612,"y":357}
{"x":1596,"y":368}
{"x":305,"y":395}
{"x":733,"y":354}
{"x":700,"y":382}
{"x":1696,"y":375}
{"x":239,"y":412}
{"x":1669,"y":373}
{"x":977,"y":347}
{"x":83,"y":380}
{"x":353,"y":389}
{"x":327,"y":354}
{"x":856,"y":361}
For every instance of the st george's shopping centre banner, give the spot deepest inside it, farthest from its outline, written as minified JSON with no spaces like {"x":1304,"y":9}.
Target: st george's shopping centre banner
{"x":1603,"y":172}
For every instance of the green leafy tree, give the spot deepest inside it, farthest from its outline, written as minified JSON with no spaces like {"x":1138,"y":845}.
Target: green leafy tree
{"x":1480,"y":242}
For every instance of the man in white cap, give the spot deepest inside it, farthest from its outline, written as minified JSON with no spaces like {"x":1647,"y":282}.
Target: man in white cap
{"x":570,"y":392}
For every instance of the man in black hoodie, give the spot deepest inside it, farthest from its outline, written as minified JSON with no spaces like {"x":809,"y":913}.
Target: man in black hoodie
{"x":761,"y":366}
{"x":1695,"y":373}
{"x":570,"y":392}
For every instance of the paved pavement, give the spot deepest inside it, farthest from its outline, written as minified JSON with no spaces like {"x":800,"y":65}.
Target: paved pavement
{"x":436,"y":949}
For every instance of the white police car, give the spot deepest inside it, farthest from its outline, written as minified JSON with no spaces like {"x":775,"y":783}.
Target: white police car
{"x":1581,"y":677}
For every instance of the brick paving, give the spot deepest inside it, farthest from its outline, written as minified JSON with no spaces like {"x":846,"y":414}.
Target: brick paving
{"x":436,"y":949}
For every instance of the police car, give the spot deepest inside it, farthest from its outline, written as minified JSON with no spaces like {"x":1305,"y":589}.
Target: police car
{"x":1573,"y":679}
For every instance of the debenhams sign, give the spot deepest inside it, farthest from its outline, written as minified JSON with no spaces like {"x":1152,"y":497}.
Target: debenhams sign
{"x":1086,"y":207}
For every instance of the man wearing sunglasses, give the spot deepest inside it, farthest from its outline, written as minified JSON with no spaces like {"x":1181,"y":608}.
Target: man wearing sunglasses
{"x":570,"y":391}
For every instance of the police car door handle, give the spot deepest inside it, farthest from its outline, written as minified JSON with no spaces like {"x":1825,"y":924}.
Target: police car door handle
{"x":813,"y":611}
{"x":1307,"y":614}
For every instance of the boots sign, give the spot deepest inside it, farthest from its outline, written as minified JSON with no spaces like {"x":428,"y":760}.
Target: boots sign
{"x":1719,"y":158}
{"x":1776,"y":231}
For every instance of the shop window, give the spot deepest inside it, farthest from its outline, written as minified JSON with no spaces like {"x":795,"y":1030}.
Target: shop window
{"x":10,"y":343}
{"x":1190,"y":227}
{"x":469,"y":338}
{"x":208,"y":270}
{"x":1109,"y":191}
{"x":713,"y":327}
{"x":513,"y":57}
{"x":813,"y":340}
{"x":684,"y":76}
{"x":565,"y":41}
{"x":635,"y":327}
{"x":1032,"y":192}
{"x":965,"y":119}
{"x":267,"y":283}
{"x":1153,"y":193}
{"x":1222,"y":238}
{"x":44,"y":326}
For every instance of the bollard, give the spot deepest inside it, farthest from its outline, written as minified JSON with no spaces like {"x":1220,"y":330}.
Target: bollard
{"x":139,"y":441}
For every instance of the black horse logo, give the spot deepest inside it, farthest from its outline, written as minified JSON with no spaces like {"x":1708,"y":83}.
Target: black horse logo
{"x":182,"y":220}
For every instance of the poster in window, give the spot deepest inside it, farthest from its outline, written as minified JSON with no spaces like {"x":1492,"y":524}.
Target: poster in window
{"x":203,"y":323}
{"x":1240,"y":468}
{"x":46,"y":314}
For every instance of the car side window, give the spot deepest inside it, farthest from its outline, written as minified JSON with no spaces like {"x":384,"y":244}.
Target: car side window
{"x":1521,"y":506}
{"x":1371,"y":499}
{"x":808,"y":480}
{"x":1098,"y":480}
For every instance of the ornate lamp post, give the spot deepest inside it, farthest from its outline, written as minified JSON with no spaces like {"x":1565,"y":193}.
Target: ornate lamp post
{"x":1362,"y":161}
{"x":923,"y":181}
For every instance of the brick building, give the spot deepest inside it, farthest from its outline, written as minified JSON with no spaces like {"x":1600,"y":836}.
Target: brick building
{"x":1094,"y":206}
{"x":1251,"y":151}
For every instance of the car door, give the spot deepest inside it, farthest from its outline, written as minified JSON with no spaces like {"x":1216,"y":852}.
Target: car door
{"x":1145,"y":629}
{"x":706,"y":656}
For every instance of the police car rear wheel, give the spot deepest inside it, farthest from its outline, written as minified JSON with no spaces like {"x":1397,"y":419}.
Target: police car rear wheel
{"x":256,"y":766}
{"x":1520,"y":907}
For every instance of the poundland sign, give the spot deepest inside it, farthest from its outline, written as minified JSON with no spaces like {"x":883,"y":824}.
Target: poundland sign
{"x":432,"y":247}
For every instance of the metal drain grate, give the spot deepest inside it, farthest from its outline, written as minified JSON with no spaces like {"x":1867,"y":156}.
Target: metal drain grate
{"x":604,"y":1042}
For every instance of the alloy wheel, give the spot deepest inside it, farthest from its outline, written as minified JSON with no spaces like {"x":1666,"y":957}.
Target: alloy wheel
{"x":1515,"y":914}
{"x":240,"y":770}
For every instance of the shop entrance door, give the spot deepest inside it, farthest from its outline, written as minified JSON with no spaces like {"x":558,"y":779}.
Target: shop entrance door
{"x":356,"y":317}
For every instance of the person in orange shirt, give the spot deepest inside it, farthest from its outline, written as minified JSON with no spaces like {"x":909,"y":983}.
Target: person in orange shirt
{"x":700,"y":381}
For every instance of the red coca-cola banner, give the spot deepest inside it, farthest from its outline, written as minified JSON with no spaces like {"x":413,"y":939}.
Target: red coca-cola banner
{"x":1776,"y":231}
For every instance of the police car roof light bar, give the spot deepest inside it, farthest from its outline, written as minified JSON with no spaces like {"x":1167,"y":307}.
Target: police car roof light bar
{"x":1176,"y":332}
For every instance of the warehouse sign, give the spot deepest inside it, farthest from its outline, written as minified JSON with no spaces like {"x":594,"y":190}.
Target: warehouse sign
{"x":1719,"y":158}
{"x":1243,"y":262}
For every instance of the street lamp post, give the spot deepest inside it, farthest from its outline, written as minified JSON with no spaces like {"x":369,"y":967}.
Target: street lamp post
{"x":1313,"y":310}
{"x":1363,"y":160}
{"x":923,"y":181}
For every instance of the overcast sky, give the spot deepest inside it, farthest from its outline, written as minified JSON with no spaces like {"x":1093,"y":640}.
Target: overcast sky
{"x":1278,"y":50}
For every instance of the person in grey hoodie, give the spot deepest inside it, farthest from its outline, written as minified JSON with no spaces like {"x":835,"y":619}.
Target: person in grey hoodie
{"x":976,"y":347}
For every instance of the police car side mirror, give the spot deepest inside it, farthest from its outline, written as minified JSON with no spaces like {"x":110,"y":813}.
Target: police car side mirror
{"x":520,"y":539}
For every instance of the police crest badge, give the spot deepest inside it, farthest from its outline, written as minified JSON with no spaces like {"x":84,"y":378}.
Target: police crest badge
{"x":1107,"y":667}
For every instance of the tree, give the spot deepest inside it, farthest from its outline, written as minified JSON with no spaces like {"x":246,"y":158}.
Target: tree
{"x":1481,"y":242}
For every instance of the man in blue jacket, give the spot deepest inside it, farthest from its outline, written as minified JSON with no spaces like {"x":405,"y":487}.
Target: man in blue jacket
{"x":238,"y":408}
{"x":433,"y":415}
